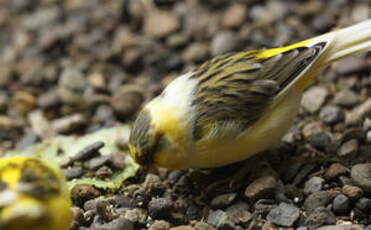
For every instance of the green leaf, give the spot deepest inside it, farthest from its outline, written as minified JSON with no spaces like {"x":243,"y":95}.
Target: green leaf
{"x":59,"y":149}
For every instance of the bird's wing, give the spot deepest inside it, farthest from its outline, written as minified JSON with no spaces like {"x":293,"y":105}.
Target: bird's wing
{"x":242,"y":86}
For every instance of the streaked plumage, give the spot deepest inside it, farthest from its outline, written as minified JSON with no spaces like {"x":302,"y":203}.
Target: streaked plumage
{"x":33,"y":196}
{"x":235,"y":105}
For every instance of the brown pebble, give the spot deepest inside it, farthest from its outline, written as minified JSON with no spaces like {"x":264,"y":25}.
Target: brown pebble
{"x":160,"y":225}
{"x":335,"y":170}
{"x":353,"y":192}
{"x":77,"y":218}
{"x":262,"y":187}
{"x":183,"y":227}
{"x":82,"y":192}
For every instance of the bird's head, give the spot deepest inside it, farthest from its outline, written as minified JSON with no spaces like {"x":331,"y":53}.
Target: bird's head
{"x":157,"y":139}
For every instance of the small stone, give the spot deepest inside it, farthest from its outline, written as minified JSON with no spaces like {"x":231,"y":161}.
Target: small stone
{"x":203,"y":226}
{"x":136,"y":215}
{"x":220,"y":219}
{"x":314,"y":184}
{"x":239,"y":213}
{"x":319,"y":217}
{"x":364,"y":204}
{"x":177,"y":40}
{"x":103,"y":172}
{"x":71,"y":86}
{"x":331,"y":114}
{"x":358,"y":113}
{"x":334,"y":171}
{"x":81,"y":193}
{"x":317,"y":199}
{"x":346,"y":98}
{"x":314,"y":98}
{"x":341,"y":205}
{"x":223,"y":200}
{"x":284,"y":215}
{"x":224,"y":42}
{"x":159,"y":24}
{"x":351,"y":65}
{"x":77,"y":218}
{"x":118,"y":160}
{"x":234,"y":16}
{"x":195,"y":52}
{"x":68,"y":123}
{"x":361,"y":176}
{"x":341,"y":227}
{"x":73,"y":172}
{"x":160,"y":225}
{"x":23,"y":102}
{"x":264,"y":206}
{"x":88,"y":152}
{"x":312,"y":128}
{"x":263,"y":187}
{"x":160,"y":208}
{"x":127,"y":100}
{"x":97,"y":162}
{"x":353,"y":192}
{"x":320,"y":140}
{"x":348,"y":148}
{"x":183,"y":227}
{"x":48,"y":99}
{"x":116,"y":224}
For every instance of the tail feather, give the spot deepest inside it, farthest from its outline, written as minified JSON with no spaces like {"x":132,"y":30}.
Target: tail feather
{"x":347,"y":41}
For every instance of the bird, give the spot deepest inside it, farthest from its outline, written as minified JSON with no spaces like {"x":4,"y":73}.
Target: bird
{"x":235,"y":105}
{"x":33,"y":195}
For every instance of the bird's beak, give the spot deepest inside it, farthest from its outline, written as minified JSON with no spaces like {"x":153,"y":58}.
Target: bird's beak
{"x":18,"y":212}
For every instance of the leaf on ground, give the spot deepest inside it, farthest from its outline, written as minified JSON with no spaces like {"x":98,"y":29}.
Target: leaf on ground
{"x":59,"y":149}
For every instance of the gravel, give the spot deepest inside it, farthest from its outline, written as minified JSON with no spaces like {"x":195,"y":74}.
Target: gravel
{"x":72,"y":67}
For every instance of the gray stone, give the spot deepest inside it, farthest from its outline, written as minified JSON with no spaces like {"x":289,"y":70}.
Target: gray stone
{"x":341,"y":227}
{"x":284,"y":215}
{"x":346,"y":98}
{"x":341,"y":204}
{"x":224,"y":42}
{"x":223,"y":200}
{"x":314,"y":98}
{"x":331,"y":114}
{"x":361,"y":176}
{"x":317,"y":199}
{"x":314,"y":184}
{"x":160,"y":208}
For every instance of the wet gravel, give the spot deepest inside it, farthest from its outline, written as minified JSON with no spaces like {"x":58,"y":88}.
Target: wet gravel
{"x":73,"y":67}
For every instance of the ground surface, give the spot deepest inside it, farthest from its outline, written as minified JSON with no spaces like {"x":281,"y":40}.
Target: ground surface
{"x":76,"y":66}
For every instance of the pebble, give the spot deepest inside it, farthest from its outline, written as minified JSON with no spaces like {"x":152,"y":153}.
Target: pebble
{"x":71,"y":85}
{"x":224,"y":42}
{"x":73,"y":172}
{"x":331,"y":114}
{"x":364,"y":204}
{"x":319,"y":217}
{"x":341,"y":227}
{"x":353,"y":192}
{"x":48,"y":99}
{"x":284,"y":215}
{"x":159,"y":24}
{"x":77,"y":218}
{"x":23,"y":102}
{"x":314,"y":184}
{"x":218,"y":218}
{"x":103,"y":172}
{"x":335,"y":171}
{"x":127,"y":100}
{"x":358,"y":113}
{"x":160,"y":208}
{"x":234,"y":16}
{"x":351,"y":65}
{"x":159,"y":225}
{"x":196,"y":52}
{"x":348,"y":148}
{"x":68,"y":123}
{"x":320,"y":140}
{"x":97,"y":162}
{"x":361,"y":176}
{"x":239,"y":213}
{"x":263,"y":187}
{"x":346,"y":98}
{"x":203,"y":226}
{"x":88,"y":152}
{"x":81,"y":193}
{"x":341,"y":205}
{"x":264,"y":206}
{"x":223,"y":200}
{"x":183,"y":227}
{"x":317,"y":199}
{"x":136,"y":215}
{"x":314,"y":98}
{"x":117,"y":224}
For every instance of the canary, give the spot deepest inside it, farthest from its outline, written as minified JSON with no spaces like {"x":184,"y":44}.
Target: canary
{"x":235,"y":105}
{"x":33,"y":196}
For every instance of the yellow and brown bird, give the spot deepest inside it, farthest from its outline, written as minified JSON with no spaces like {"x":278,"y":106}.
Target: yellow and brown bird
{"x":235,"y":105}
{"x":33,"y":195}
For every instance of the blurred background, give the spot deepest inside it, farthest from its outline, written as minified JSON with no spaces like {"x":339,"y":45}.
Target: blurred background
{"x":75,"y":66}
